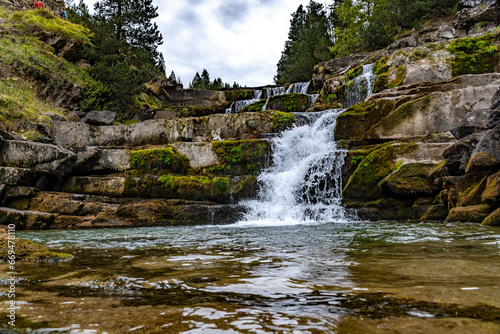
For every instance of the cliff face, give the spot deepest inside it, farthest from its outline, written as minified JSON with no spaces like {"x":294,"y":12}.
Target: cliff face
{"x":425,"y":145}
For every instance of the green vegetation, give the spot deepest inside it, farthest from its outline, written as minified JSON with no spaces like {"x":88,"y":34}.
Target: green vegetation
{"x":241,"y":157}
{"x":308,"y":44}
{"x":475,"y":55}
{"x":282,"y":120}
{"x":158,"y":161}
{"x":254,"y":107}
{"x":27,"y":250}
{"x":203,"y":82}
{"x":289,"y":103}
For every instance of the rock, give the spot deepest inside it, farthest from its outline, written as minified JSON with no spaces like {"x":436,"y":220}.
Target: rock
{"x":493,"y":219}
{"x":165,"y":114}
{"x":289,"y":102}
{"x":113,"y":160}
{"x":410,"y":180}
{"x":475,"y":121}
{"x":144,"y":115}
{"x":469,"y":214}
{"x":200,"y":154}
{"x":446,"y":31}
{"x":26,"y":220}
{"x":104,"y":117}
{"x":457,"y":156}
{"x":25,"y":154}
{"x":486,"y":154}
{"x":27,"y":250}
{"x":15,"y":176}
{"x":55,"y":117}
{"x":491,"y":194}
{"x":160,"y":132}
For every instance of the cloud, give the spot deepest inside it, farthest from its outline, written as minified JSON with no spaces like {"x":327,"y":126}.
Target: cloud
{"x":236,"y":40}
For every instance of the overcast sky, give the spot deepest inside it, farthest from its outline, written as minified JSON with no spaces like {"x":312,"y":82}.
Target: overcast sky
{"x":236,"y":40}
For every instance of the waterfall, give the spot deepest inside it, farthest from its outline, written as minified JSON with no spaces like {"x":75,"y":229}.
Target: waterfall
{"x":304,"y":184}
{"x":361,"y":87}
{"x":236,"y":106}
{"x":299,"y":87}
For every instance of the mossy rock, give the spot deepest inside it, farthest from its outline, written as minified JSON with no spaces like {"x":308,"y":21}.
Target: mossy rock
{"x":491,"y":194}
{"x":435,"y":212}
{"x":293,"y":102}
{"x":493,"y":219}
{"x":238,"y":95}
{"x":158,"y":161}
{"x":194,"y":188}
{"x":354,"y":73}
{"x":475,"y":55}
{"x":254,"y":107}
{"x":410,"y":180}
{"x":382,"y":209}
{"x":363,"y":184}
{"x":26,"y":250}
{"x":241,"y":157}
{"x":354,"y":123}
{"x":472,"y":195}
{"x":281,"y":120}
{"x":469,"y":214}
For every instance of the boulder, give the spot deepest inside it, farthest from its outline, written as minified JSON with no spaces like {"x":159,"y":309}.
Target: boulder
{"x":103,"y":117}
{"x":26,"y":154}
{"x":491,"y":194}
{"x":475,"y":121}
{"x":410,"y":180}
{"x":469,"y":214}
{"x":457,"y":156}
{"x":200,"y":154}
{"x":15,"y":176}
{"x":493,"y":219}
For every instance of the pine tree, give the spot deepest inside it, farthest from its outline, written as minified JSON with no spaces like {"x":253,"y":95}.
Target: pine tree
{"x":130,"y":21}
{"x":205,"y":79}
{"x":308,"y":44}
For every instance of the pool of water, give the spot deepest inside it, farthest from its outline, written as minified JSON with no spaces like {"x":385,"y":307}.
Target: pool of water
{"x":383,"y":277}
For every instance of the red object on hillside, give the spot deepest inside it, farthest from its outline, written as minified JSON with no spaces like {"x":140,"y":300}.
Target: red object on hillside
{"x":39,"y":5}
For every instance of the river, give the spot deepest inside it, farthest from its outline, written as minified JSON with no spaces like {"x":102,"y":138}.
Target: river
{"x":356,"y":277}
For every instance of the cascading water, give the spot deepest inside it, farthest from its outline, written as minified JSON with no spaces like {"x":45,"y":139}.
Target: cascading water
{"x":361,"y":87}
{"x":236,"y":106}
{"x":304,"y":184}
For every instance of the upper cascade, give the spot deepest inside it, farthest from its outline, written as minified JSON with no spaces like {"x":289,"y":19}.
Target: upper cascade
{"x":361,"y":88}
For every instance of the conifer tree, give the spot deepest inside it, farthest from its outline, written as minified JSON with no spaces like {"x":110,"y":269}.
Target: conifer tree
{"x":308,"y":44}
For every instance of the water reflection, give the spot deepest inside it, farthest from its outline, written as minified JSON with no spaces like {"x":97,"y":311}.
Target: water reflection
{"x":291,"y":279}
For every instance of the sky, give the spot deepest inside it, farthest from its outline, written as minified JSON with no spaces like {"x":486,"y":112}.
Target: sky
{"x":237,"y":40}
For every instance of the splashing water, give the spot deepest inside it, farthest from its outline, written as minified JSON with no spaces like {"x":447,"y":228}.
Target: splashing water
{"x":304,"y":185}
{"x":236,"y":106}
{"x":361,"y":87}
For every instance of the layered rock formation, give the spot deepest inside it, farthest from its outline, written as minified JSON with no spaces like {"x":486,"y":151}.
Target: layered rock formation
{"x":425,"y":145}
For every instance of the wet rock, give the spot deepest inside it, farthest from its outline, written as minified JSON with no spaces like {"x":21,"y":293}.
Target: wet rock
{"x":26,"y":220}
{"x":410,"y":180}
{"x":15,"y":176}
{"x":493,"y":219}
{"x":27,"y":250}
{"x":104,"y":117}
{"x":475,"y":121}
{"x":457,"y":156}
{"x":469,"y":214}
{"x":491,"y":194}
{"x":486,"y":154}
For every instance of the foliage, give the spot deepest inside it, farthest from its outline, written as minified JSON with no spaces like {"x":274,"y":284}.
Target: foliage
{"x":158,"y":161}
{"x":474,"y":55}
{"x":241,"y":156}
{"x":203,"y":82}
{"x":308,"y":44}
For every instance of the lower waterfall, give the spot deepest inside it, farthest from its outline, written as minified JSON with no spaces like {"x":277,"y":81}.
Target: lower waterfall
{"x":304,"y":183}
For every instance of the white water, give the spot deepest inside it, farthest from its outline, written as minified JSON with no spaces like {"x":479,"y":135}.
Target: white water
{"x":361,"y":87}
{"x":304,"y":184}
{"x":236,"y":106}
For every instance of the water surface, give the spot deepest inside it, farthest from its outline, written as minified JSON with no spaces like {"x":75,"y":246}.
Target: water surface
{"x":318,"y":278}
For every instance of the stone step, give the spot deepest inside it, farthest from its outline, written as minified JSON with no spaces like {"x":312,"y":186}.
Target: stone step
{"x":223,"y":190}
{"x":161,"y":132}
{"x":53,"y":210}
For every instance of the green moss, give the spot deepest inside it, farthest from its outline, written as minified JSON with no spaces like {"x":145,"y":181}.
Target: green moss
{"x":363,"y":184}
{"x":238,"y":95}
{"x":380,"y":66}
{"x":418,"y":53}
{"x":145,"y":101}
{"x":254,"y":107}
{"x":293,"y":102}
{"x":474,"y":55}
{"x":282,"y":120}
{"x":197,"y":187}
{"x":354,"y":72}
{"x":158,"y":161}
{"x":381,"y":83}
{"x":26,"y":250}
{"x":400,"y":76}
{"x":241,"y":157}
{"x":44,"y":20}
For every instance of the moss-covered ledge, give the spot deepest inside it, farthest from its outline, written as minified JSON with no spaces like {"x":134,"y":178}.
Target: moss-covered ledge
{"x":158,"y":161}
{"x":26,"y":250}
{"x":241,"y":157}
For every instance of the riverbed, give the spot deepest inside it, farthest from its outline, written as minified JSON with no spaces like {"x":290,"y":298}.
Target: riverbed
{"x":383,"y":277}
